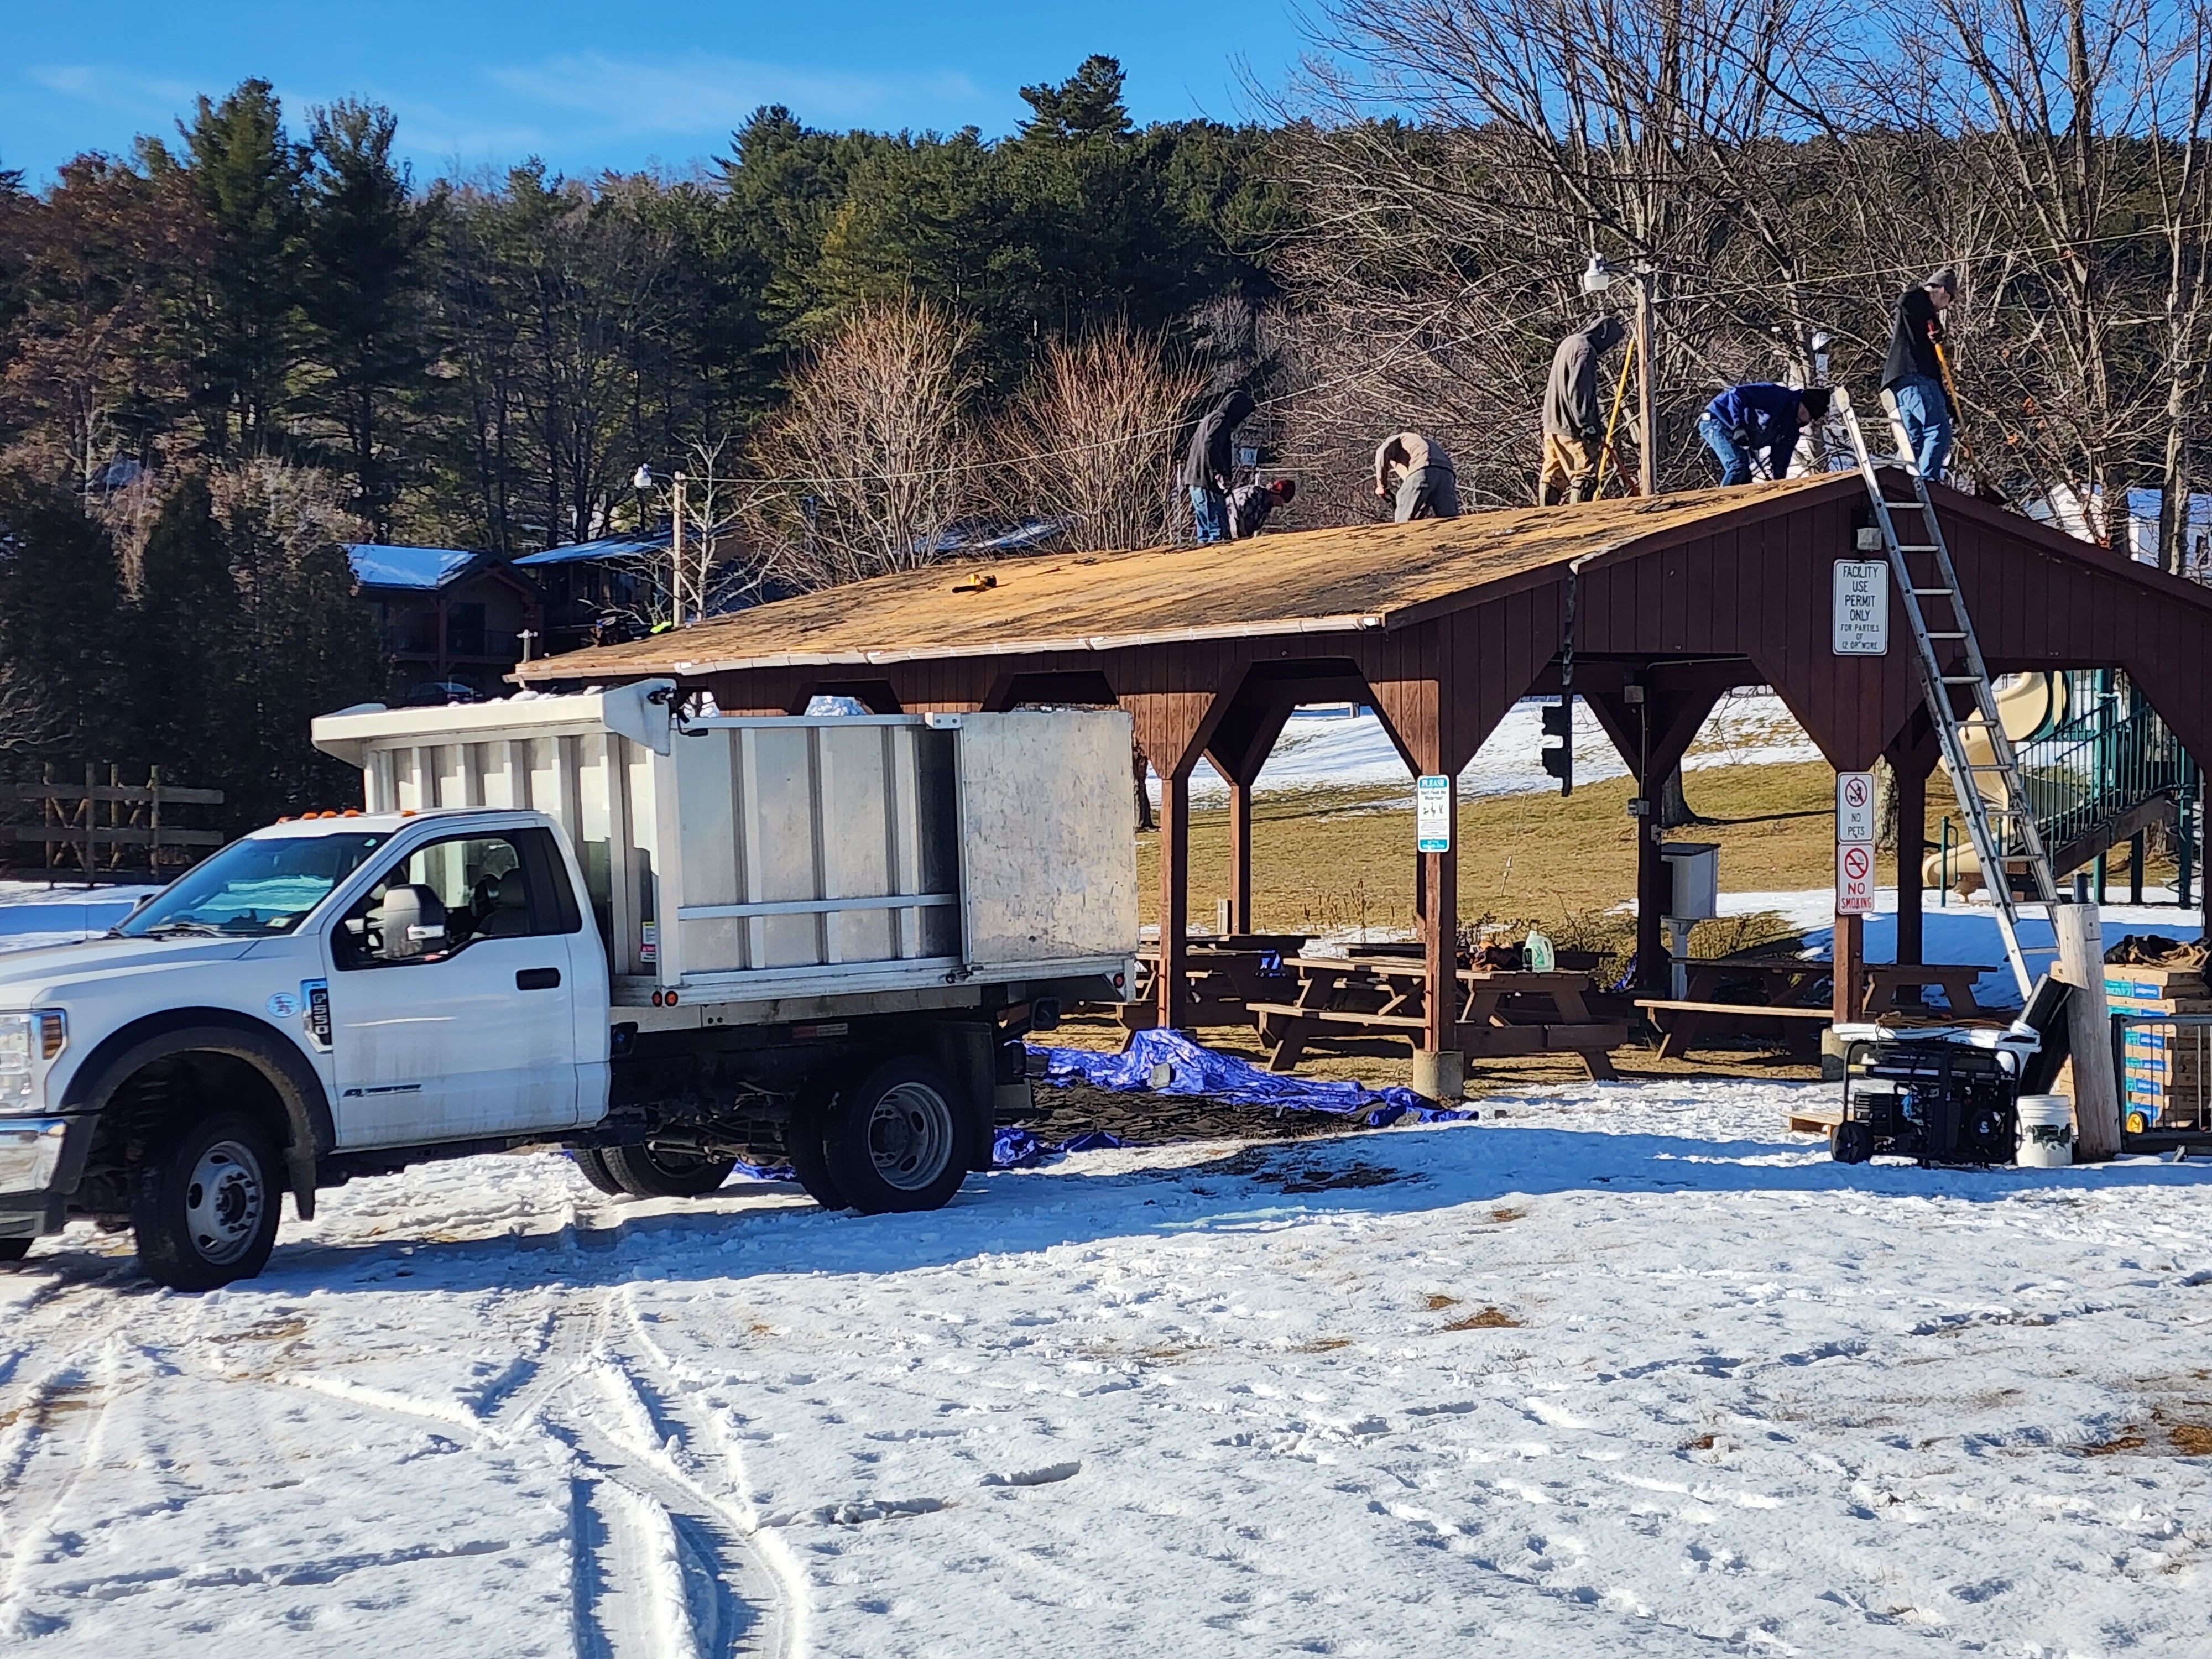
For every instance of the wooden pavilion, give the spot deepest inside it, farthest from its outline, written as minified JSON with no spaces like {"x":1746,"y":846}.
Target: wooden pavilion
{"x":1656,"y":606}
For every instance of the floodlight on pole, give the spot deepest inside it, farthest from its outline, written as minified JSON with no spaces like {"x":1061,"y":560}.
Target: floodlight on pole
{"x":642,"y":478}
{"x":1599,"y":276}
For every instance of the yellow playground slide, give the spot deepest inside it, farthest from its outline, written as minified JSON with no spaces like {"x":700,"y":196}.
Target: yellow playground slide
{"x":2029,"y":705}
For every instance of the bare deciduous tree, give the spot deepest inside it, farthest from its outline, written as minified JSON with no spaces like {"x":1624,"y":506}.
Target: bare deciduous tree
{"x":1099,"y":415}
{"x":872,"y":460}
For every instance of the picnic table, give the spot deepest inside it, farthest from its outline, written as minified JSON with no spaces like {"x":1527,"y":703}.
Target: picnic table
{"x":1223,"y":972}
{"x":1503,"y":1013}
{"x":1761,"y":996}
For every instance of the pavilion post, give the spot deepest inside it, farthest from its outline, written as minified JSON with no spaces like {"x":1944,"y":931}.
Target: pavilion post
{"x":1439,"y":891}
{"x":1240,"y":856}
{"x":1173,"y":725}
{"x":1911,"y":848}
{"x":1655,"y":891}
{"x":1174,"y":979}
{"x":1849,"y":968}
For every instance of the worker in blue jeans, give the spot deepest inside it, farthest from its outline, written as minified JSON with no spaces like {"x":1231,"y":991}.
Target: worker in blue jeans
{"x":1912,"y":374}
{"x":1745,"y":421}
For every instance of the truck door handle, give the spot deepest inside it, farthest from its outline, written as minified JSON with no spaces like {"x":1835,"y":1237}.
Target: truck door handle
{"x":537,"y":979}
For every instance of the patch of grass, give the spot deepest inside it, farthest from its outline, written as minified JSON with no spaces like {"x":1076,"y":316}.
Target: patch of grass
{"x":1489,"y":1319}
{"x":1438,"y":1304}
{"x":2191,"y":1440}
{"x":1507,"y":1215}
{"x":1326,"y":860}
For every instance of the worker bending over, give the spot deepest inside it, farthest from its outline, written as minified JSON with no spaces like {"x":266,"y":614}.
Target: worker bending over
{"x":1912,"y":374}
{"x":1574,"y":414}
{"x":1759,"y":418}
{"x":1416,"y":469}
{"x":1206,"y":464}
{"x":1250,"y":504}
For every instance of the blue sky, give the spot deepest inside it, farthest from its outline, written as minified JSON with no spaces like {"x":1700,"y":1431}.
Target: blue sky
{"x":607,"y":84}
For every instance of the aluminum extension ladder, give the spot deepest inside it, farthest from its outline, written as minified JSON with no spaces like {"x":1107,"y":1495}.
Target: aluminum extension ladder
{"x":1989,"y":826}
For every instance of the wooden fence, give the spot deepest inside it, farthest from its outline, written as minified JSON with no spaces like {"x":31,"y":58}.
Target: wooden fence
{"x":97,"y":828}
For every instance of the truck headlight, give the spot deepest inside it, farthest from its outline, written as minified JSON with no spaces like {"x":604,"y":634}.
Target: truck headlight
{"x":25,"y":1040}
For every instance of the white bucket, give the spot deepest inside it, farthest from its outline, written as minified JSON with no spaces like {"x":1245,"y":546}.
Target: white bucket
{"x":2046,"y":1132}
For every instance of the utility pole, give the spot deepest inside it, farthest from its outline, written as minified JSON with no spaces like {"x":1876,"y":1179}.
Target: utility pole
{"x":1648,"y":445}
{"x":675,"y":556}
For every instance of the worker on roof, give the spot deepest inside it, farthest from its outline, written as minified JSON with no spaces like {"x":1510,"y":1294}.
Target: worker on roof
{"x":1913,"y":374}
{"x":1250,"y":504}
{"x":1414,"y":469}
{"x":1206,"y":463}
{"x":1574,"y":414}
{"x":1759,"y":418}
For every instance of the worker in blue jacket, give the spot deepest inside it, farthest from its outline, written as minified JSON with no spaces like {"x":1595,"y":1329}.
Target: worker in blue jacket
{"x":1745,"y":421}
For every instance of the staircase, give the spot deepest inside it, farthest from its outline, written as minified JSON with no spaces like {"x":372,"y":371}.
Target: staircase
{"x":2102,"y":778}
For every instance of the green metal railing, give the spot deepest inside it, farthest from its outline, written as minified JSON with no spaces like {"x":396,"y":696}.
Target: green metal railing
{"x":2087,"y":771}
{"x":2091,"y":769}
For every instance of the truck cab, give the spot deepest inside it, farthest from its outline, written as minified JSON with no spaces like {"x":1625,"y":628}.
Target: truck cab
{"x":328,"y":986}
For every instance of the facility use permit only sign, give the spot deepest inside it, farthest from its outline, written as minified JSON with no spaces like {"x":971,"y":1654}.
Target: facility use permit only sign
{"x":1861,"y":608}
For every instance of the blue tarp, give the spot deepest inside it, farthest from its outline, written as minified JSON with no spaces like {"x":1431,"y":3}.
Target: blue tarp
{"x":1195,"y":1071}
{"x":607,"y":547}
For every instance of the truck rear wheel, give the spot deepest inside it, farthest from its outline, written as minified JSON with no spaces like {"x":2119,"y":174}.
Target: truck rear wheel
{"x":204,"y":1206}
{"x":643,"y":1172}
{"x":13,"y":1250}
{"x":898,"y":1140}
{"x":593,"y":1163}
{"x":809,"y":1158}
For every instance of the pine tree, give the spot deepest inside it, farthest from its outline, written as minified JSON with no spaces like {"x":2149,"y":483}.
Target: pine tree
{"x":186,"y":657}
{"x":308,"y":643}
{"x":61,"y":600}
{"x":246,"y":176}
{"x":362,"y":301}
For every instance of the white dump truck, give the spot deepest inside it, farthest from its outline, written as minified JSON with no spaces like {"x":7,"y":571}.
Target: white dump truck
{"x":665,"y":943}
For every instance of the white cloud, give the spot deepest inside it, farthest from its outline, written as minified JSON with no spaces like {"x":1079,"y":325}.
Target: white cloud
{"x":701,"y":94}
{"x":111,"y":88}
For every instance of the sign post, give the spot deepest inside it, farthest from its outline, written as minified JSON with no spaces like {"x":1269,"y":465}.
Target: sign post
{"x":1854,"y":881}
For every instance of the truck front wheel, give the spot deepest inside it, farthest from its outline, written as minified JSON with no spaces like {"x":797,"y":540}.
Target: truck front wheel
{"x":13,"y":1250}
{"x":898,"y":1140}
{"x":205,"y":1205}
{"x":642,"y":1172}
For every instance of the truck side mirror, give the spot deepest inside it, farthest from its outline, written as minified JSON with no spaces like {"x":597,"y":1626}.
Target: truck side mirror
{"x":411,"y":924}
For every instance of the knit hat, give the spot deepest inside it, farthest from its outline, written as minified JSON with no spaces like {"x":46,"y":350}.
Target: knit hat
{"x":1947,"y":279}
{"x":1284,"y":488}
{"x":1815,"y":400}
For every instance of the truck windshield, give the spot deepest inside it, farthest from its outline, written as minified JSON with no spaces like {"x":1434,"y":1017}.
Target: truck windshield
{"x":253,"y":887}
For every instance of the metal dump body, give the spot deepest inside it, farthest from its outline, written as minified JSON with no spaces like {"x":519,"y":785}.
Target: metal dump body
{"x":757,"y":858}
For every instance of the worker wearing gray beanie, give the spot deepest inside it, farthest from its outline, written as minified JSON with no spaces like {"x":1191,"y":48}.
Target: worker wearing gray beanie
{"x":1912,"y":374}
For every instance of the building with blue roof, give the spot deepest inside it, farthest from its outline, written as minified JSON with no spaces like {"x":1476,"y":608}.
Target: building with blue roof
{"x":451,"y":620}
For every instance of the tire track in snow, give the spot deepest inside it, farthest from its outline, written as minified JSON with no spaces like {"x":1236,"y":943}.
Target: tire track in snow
{"x":52,"y":1444}
{"x":674,"y":1547}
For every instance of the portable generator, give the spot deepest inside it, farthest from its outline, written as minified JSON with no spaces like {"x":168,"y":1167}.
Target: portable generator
{"x":1947,"y":1094}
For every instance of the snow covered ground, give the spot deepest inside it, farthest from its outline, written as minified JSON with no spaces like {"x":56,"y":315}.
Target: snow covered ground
{"x":33,"y":913}
{"x":1351,"y":752}
{"x":1619,"y":1370}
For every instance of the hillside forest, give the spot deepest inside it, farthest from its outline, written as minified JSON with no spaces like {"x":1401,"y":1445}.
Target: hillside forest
{"x":260,"y":336}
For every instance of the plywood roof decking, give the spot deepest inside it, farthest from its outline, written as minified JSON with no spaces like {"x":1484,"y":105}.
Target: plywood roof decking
{"x":1301,"y":581}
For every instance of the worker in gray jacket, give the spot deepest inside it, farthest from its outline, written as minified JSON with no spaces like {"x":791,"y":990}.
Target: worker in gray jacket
{"x":1574,"y":414}
{"x":1414,"y":469}
{"x":1206,"y":465}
